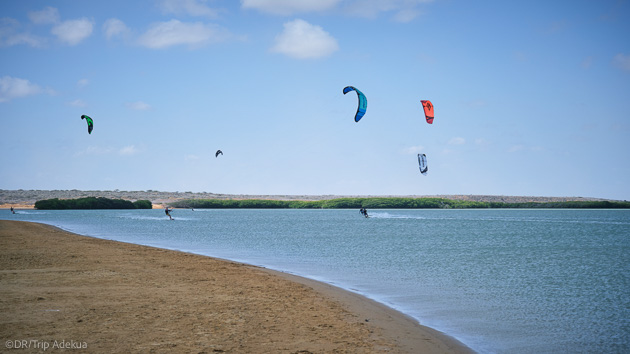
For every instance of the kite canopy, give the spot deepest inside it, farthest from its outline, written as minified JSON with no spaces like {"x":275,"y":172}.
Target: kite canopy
{"x":90,"y":123}
{"x":362,"y":102}
{"x":422,"y":162}
{"x":217,"y":153}
{"x":428,"y":110}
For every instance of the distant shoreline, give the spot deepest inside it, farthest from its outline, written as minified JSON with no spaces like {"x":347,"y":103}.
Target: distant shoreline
{"x":25,"y":199}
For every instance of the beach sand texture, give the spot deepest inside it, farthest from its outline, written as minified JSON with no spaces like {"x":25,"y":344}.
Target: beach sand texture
{"x":117,"y":297}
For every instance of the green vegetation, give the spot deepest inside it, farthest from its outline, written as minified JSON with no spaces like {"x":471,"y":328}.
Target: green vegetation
{"x":91,"y":203}
{"x":387,"y":203}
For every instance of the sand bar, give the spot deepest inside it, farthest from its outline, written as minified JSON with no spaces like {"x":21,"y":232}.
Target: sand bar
{"x":59,"y":288}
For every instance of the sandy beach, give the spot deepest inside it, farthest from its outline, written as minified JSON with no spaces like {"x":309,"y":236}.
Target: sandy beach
{"x":62,"y":289}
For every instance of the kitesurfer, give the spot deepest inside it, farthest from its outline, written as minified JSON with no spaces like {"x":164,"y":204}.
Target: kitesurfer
{"x":12,"y":211}
{"x":168,"y":212}
{"x":365,"y":212}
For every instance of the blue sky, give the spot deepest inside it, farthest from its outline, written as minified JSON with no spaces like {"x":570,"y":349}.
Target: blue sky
{"x":531,"y":97}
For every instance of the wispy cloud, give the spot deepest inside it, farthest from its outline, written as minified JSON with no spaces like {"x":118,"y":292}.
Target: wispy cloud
{"x":114,"y":27}
{"x":13,"y":87}
{"x":289,"y":7}
{"x":302,"y":40}
{"x":413,"y":150}
{"x":520,"y":56}
{"x":11,"y":34}
{"x":78,"y":103}
{"x":622,"y":61}
{"x":138,"y":106}
{"x":72,"y":32}
{"x":48,"y":16}
{"x":587,"y":62}
{"x":82,"y":83}
{"x":457,"y":141}
{"x":128,"y":150}
{"x":400,"y":10}
{"x":166,"y":34}
{"x":187,"y":7}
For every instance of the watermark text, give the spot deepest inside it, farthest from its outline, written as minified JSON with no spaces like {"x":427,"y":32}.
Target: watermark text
{"x":44,"y":344}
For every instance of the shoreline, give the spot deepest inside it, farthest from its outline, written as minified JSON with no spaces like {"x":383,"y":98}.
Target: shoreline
{"x":229,"y":306}
{"x":26,"y":198}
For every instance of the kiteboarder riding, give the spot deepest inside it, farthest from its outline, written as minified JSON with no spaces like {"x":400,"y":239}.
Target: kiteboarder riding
{"x":168,"y":212}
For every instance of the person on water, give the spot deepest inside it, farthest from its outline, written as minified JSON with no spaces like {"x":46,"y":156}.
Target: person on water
{"x":365,"y":212}
{"x":168,"y":212}
{"x":12,"y":211}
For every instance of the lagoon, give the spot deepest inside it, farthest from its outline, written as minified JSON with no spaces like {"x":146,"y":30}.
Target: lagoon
{"x":500,"y":281}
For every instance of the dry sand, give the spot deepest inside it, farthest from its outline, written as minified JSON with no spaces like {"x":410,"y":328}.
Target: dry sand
{"x":58,"y":288}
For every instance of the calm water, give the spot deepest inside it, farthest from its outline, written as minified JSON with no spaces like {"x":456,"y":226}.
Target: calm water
{"x":500,"y":281}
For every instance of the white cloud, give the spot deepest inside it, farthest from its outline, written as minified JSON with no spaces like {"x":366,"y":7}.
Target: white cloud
{"x":457,"y":141}
{"x":78,"y":103}
{"x":289,"y":7}
{"x":114,"y":27}
{"x":406,"y":15}
{"x":13,"y":87}
{"x":10,"y":34}
{"x":622,"y":61}
{"x":47,"y":16}
{"x":128,"y":150}
{"x":403,"y":10}
{"x":187,"y":7}
{"x":516,"y":148}
{"x":72,"y":32}
{"x":83,"y":82}
{"x":302,"y":40}
{"x":138,"y":106}
{"x":22,"y":38}
{"x":413,"y":150}
{"x":165,"y":34}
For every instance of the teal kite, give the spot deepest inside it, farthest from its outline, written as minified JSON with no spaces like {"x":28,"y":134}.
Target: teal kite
{"x":362,"y":102}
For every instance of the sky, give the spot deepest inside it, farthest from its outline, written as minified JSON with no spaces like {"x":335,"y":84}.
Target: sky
{"x":531,"y":98}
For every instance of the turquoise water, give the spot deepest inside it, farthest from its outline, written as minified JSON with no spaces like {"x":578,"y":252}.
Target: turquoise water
{"x":500,"y":281}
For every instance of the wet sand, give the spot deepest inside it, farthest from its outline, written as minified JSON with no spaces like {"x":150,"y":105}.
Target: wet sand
{"x":59,"y":288}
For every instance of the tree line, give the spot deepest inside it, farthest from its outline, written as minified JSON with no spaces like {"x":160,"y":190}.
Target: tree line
{"x":91,"y":203}
{"x":389,"y":203}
